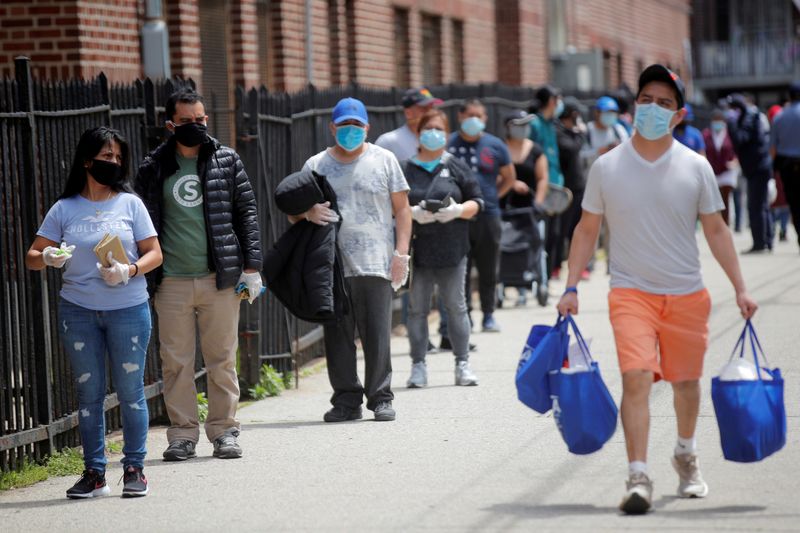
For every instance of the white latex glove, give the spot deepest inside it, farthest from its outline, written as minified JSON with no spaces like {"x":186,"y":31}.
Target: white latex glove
{"x":57,"y":257}
{"x":399,"y":270}
{"x":449,"y":213}
{"x":322,"y":214}
{"x":115,"y":274}
{"x":421,"y":215}
{"x":254,"y":284}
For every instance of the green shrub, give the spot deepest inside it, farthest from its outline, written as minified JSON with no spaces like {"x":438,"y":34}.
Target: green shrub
{"x":202,"y":406}
{"x":270,"y":383}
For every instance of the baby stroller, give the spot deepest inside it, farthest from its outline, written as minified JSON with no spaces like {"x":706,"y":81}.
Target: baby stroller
{"x":523,"y":259}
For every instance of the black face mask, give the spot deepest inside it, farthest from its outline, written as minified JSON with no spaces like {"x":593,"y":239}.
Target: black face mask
{"x":106,"y":172}
{"x":191,"y":134}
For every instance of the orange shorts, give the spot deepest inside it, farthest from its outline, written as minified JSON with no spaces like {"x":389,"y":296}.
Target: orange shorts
{"x":663,"y":333}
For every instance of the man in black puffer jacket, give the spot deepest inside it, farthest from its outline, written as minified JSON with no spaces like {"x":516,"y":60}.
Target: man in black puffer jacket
{"x":204,"y":209}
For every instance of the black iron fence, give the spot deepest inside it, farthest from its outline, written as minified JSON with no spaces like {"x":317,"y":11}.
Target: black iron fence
{"x":40,"y":123}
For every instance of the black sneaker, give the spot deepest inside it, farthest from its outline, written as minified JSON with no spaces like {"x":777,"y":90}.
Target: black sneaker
{"x":135,"y":484}
{"x":340,"y":413}
{"x":446,"y":345}
{"x":384,"y":412}
{"x":226,"y":446}
{"x":179,"y":450}
{"x":91,"y":485}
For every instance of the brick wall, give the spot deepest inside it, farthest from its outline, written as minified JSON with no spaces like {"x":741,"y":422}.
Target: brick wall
{"x":645,"y":31}
{"x":183,"y":21}
{"x":71,"y":38}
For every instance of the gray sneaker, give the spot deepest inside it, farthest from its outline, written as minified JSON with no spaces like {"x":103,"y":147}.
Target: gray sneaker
{"x":419,"y":376}
{"x":691,"y":483}
{"x":638,"y":497}
{"x":226,"y":446}
{"x":464,"y":374}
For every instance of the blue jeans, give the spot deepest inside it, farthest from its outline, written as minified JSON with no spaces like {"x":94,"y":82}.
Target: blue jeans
{"x":124,"y":335}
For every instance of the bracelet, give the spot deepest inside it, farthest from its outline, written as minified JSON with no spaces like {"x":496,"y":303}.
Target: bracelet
{"x":571,"y":289}
{"x":137,"y":270}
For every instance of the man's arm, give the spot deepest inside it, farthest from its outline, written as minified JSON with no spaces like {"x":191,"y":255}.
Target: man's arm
{"x":245,"y":219}
{"x":402,"y":215}
{"x":719,"y":239}
{"x":506,"y":179}
{"x":580,"y":252}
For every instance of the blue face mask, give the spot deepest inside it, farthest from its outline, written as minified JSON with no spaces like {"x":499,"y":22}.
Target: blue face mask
{"x":427,"y":165}
{"x":432,"y":139}
{"x":652,"y":121}
{"x":717,"y":126}
{"x":559,"y":108}
{"x":350,"y":137}
{"x":608,"y":119}
{"x":472,"y":126}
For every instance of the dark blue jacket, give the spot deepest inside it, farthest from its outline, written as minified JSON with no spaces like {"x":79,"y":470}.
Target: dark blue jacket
{"x":751,"y":143}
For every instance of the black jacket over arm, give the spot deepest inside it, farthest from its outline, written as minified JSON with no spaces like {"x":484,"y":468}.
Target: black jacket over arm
{"x":303,"y":269}
{"x":229,"y":205}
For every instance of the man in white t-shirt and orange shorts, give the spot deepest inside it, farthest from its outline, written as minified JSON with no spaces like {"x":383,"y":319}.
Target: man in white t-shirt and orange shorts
{"x":651,"y":190}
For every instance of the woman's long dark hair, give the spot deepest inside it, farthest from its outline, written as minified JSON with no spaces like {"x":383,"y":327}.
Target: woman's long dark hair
{"x":90,"y":144}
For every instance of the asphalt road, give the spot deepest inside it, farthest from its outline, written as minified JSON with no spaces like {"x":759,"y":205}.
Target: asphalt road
{"x":464,"y":459}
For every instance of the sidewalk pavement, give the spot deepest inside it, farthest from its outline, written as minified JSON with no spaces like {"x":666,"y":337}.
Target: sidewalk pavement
{"x":463,"y":459}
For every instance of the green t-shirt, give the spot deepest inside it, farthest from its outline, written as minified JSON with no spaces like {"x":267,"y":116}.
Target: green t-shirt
{"x":183,"y":239}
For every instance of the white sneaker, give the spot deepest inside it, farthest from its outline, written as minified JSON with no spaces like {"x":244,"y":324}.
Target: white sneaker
{"x":639,"y":496}
{"x":419,"y":376}
{"x":691,"y":481}
{"x":464,"y":375}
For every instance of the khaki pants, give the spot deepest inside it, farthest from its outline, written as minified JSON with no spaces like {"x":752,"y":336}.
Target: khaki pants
{"x":180,"y":302}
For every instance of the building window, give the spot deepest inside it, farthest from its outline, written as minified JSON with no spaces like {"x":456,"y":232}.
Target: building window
{"x":556,"y":27}
{"x":431,"y":50}
{"x":350,"y":17}
{"x":214,"y":53}
{"x":620,"y":70}
{"x":606,"y":69}
{"x":334,"y":50}
{"x":266,"y":46}
{"x":458,"y":51}
{"x":402,"y":67}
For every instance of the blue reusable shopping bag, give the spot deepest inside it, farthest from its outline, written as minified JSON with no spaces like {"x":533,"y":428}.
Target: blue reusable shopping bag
{"x":750,"y":413}
{"x":544,"y":351}
{"x":583,"y":409}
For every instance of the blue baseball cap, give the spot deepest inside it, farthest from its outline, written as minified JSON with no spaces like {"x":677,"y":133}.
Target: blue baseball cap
{"x":350,"y":109}
{"x":606,"y":103}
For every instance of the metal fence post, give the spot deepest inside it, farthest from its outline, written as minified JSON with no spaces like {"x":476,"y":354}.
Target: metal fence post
{"x":38,"y":331}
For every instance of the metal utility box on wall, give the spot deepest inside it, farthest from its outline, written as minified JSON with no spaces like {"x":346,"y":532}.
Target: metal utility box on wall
{"x":579,"y":71}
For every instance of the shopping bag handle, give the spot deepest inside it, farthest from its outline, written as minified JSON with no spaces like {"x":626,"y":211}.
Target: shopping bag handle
{"x":749,"y":332}
{"x":581,"y":342}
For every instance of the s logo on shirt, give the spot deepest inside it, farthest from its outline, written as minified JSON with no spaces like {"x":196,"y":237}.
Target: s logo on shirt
{"x":187,"y":191}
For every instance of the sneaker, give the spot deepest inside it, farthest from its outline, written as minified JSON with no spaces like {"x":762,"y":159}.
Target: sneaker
{"x":522,"y":300}
{"x":464,"y":375}
{"x":782,"y":236}
{"x":556,"y":274}
{"x":446,"y":346}
{"x":340,"y":413}
{"x":490,"y":325}
{"x":226,"y":446}
{"x":179,"y":450}
{"x":586,"y":275}
{"x":135,"y":484}
{"x":639,"y":496}
{"x":91,"y":485}
{"x":691,"y":481}
{"x":384,"y":412}
{"x":419,"y":376}
{"x":431,"y":348}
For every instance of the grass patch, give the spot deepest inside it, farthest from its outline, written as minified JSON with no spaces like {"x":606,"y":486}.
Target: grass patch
{"x":114,"y":447}
{"x":67,"y":462}
{"x":270,"y":383}
{"x":202,"y":406}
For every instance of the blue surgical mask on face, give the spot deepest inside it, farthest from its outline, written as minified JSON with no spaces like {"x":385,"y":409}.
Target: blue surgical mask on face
{"x":350,"y":137}
{"x":608,"y":119}
{"x":717,"y":125}
{"x":472,"y":126}
{"x":427,"y":165}
{"x":432,"y":139}
{"x":559,"y":108}
{"x":652,"y":121}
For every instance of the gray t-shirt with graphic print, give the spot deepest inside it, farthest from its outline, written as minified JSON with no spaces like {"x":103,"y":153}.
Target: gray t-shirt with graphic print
{"x":364,"y":190}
